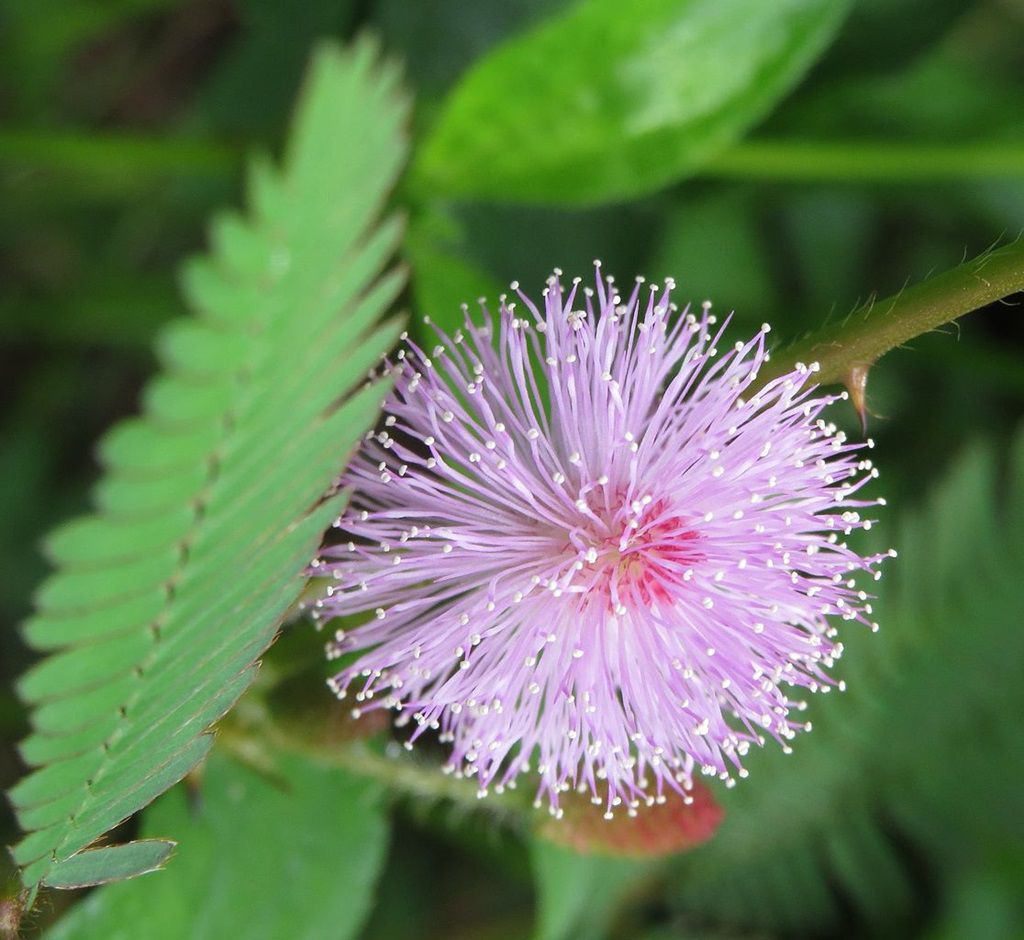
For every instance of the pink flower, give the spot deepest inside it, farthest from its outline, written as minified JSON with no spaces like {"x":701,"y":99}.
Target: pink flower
{"x":593,"y":547}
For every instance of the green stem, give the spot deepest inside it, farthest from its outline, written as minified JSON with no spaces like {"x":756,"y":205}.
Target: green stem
{"x":848,"y":349}
{"x":90,"y":152}
{"x":117,"y":154}
{"x":406,"y":775}
{"x":251,"y":733}
{"x":865,"y":161}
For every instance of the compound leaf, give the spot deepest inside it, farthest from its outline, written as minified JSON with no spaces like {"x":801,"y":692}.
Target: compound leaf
{"x":214,"y":499}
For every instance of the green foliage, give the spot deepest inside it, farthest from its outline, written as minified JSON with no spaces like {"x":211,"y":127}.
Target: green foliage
{"x":922,"y":750}
{"x":294,"y":855}
{"x":111,"y":863}
{"x":123,"y":125}
{"x":594,"y":106}
{"x":442,"y":282}
{"x":212,"y":502}
{"x":38,"y":34}
{"x":881,"y":32}
{"x":714,"y":246}
{"x":439,"y":39}
{"x":577,"y":895}
{"x":244,"y":95}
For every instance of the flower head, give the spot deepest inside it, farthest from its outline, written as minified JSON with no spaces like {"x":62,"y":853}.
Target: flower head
{"x":594,"y":545}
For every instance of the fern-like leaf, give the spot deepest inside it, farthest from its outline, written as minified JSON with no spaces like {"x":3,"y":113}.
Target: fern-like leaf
{"x":213,"y":501}
{"x":918,"y":765}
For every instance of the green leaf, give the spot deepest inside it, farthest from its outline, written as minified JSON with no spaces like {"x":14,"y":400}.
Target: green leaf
{"x":595,"y":105}
{"x":923,"y":749}
{"x":293,"y":856}
{"x":111,"y":863}
{"x":212,"y":502}
{"x":577,"y":895}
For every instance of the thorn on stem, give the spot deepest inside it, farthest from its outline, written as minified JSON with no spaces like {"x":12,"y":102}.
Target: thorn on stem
{"x":856,"y":381}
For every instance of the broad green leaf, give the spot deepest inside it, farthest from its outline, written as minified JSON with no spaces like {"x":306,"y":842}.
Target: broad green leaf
{"x":577,"y":895}
{"x":212,"y":502}
{"x":294,"y":855}
{"x":598,"y":104}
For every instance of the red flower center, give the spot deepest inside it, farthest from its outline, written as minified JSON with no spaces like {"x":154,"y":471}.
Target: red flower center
{"x":651,"y":555}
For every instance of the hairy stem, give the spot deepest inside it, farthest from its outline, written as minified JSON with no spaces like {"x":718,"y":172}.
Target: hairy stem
{"x":252,"y":734}
{"x":845,"y":351}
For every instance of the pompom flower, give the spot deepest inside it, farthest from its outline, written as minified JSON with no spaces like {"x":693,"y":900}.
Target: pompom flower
{"x":592,"y":544}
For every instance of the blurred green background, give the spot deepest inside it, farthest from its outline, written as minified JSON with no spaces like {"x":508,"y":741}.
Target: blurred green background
{"x":123,"y":127}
